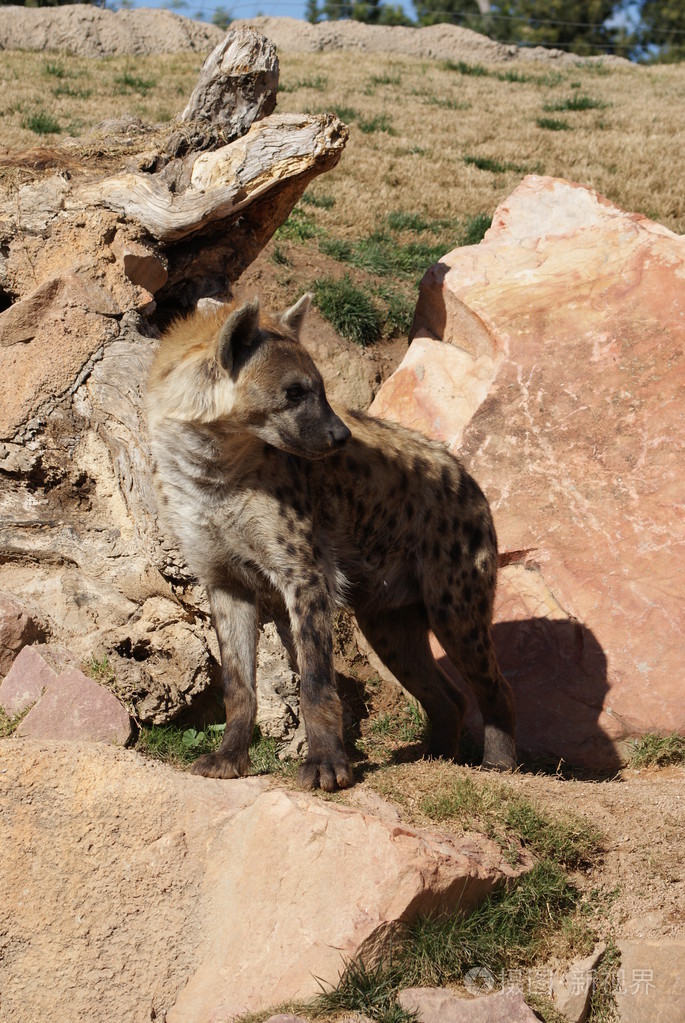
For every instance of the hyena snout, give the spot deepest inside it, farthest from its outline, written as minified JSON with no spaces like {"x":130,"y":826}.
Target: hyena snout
{"x":338,"y":433}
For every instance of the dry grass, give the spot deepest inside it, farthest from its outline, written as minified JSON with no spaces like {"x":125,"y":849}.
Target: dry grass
{"x":78,"y":92}
{"x":630,"y":149}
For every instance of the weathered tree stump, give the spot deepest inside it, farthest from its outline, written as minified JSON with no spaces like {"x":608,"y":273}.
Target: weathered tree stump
{"x":89,"y":266}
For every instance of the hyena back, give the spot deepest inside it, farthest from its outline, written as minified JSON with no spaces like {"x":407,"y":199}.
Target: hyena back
{"x":278,"y":504}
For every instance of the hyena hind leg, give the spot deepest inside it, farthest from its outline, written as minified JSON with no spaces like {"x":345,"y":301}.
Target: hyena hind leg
{"x":470,"y":648}
{"x":400,"y":638}
{"x":235,"y":621}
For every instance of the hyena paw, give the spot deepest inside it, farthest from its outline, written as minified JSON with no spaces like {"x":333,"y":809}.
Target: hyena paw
{"x":500,"y":750}
{"x":222,"y":765}
{"x":328,"y":772}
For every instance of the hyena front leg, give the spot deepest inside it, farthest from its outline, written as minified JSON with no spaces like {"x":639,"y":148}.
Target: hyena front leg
{"x":235,"y":620}
{"x":326,"y":764}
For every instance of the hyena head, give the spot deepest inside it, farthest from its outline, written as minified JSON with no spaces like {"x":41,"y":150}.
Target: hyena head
{"x":255,"y":377}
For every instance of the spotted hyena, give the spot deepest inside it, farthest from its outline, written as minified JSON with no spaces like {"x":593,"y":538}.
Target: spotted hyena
{"x":280,"y":505}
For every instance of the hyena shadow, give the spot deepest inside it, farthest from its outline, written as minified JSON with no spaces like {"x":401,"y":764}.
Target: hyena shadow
{"x":557,"y":671}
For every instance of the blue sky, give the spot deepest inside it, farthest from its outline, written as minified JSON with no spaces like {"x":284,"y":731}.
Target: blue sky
{"x":238,"y":8}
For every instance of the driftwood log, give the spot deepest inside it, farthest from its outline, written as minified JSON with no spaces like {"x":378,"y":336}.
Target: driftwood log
{"x":90,"y":265}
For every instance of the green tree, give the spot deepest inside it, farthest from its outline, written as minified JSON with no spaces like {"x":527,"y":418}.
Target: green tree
{"x":578,"y":26}
{"x":337,"y":9}
{"x":661,"y":31}
{"x":312,"y":12}
{"x":458,"y":12}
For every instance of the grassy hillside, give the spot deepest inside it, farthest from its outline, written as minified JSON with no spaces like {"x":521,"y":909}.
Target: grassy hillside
{"x":434,"y":147}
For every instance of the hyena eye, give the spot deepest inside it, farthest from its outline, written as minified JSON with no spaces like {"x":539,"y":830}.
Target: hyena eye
{"x":295,"y":393}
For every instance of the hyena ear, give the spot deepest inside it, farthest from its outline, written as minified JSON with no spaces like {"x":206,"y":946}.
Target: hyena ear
{"x":239,"y":333}
{"x":293,"y":318}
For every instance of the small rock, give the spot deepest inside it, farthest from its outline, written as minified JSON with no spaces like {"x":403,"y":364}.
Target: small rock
{"x":571,"y":992}
{"x":35,"y":668}
{"x":437,"y":1005}
{"x":75,"y":707}
{"x":141,"y":265}
{"x":650,"y":984}
{"x":286,"y":1017}
{"x":18,"y":628}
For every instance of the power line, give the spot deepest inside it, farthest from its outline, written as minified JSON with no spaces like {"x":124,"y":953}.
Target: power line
{"x":475,"y":19}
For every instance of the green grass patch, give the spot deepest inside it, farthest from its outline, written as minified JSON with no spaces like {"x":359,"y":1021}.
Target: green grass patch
{"x":446,"y":103}
{"x":64,"y":89}
{"x":460,"y":66}
{"x":279,"y":257}
{"x":516,"y":76}
{"x":299,"y":227}
{"x":369,"y":992}
{"x":8,"y":723}
{"x":511,"y":930}
{"x":568,"y":841}
{"x":348,"y":309}
{"x":346,"y":114}
{"x":654,"y":750}
{"x":181,"y":746}
{"x":134,"y":83}
{"x":499,"y":812}
{"x":321,"y":202}
{"x":399,"y":310}
{"x":388,"y":78}
{"x":380,"y":123}
{"x":55,"y":68}
{"x":42,"y":123}
{"x":579,"y":102}
{"x":553,"y":124}
{"x":317,"y":82}
{"x":383,"y":255}
{"x":100,"y":669}
{"x":404,"y":220}
{"x":487,"y":163}
{"x":407,"y":725}
{"x":178,"y":746}
{"x":473,"y":231}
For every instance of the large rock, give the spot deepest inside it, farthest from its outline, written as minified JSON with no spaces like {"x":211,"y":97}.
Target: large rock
{"x":156,"y":892}
{"x":557,"y":345}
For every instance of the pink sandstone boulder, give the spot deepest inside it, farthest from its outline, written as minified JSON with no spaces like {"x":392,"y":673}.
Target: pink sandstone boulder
{"x":550,"y":357}
{"x":148,"y":893}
